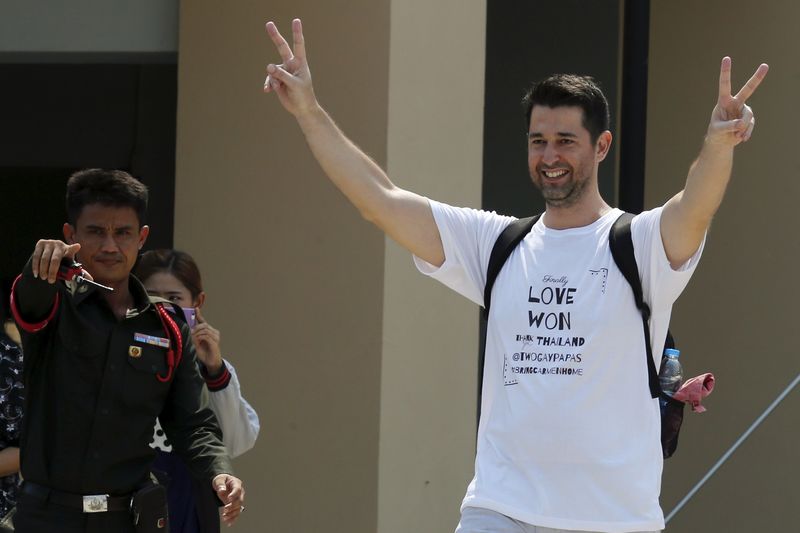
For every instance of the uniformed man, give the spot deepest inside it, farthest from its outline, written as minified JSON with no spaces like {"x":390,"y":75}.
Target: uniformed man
{"x":101,"y":365}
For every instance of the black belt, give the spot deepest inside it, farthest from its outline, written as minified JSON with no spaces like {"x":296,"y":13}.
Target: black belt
{"x":92,"y":503}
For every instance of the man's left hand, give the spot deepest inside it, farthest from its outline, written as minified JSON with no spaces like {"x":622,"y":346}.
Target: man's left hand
{"x":732,"y":120}
{"x":230,"y":491}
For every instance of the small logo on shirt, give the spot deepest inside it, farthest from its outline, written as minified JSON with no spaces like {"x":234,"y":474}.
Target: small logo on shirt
{"x":508,"y":377}
{"x":603,"y":274}
{"x":134,"y":351}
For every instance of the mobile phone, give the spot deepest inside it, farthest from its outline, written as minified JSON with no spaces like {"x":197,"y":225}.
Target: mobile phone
{"x":191,"y":316}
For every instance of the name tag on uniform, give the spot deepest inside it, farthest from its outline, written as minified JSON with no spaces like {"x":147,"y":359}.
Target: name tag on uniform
{"x":151,"y":339}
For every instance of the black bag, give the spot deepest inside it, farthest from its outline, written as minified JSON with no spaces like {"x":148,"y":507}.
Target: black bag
{"x":149,"y":508}
{"x":621,"y":246}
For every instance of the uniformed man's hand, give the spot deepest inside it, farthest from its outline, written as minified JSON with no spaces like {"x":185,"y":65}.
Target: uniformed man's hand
{"x":230,"y":491}
{"x":47,"y":258}
{"x":206,"y":345}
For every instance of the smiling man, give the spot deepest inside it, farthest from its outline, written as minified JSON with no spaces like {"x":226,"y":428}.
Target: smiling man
{"x":100,"y":366}
{"x":566,"y":138}
{"x":569,"y":435}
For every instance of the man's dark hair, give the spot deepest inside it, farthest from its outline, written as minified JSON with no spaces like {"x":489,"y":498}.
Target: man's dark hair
{"x":571,"y":90}
{"x":113,"y":188}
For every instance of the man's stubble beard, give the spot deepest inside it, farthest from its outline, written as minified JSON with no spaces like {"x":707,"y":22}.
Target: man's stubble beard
{"x":565,"y":195}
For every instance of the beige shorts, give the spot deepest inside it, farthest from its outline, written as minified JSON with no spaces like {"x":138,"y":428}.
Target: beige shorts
{"x":479,"y":520}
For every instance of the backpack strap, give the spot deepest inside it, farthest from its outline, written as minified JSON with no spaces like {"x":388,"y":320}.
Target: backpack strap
{"x":621,"y":244}
{"x":511,"y":236}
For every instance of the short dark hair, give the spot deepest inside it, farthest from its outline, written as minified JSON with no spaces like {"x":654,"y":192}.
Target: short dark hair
{"x":114,"y":188}
{"x":179,"y":264}
{"x":571,"y":90}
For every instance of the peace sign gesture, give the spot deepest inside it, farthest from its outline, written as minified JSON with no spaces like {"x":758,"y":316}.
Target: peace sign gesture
{"x":291,"y":80}
{"x":732,"y":120}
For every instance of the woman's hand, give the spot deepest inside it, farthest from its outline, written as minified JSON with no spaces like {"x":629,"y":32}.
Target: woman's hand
{"x":206,"y":344}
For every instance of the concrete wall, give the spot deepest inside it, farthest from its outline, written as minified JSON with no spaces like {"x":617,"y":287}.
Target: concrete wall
{"x":87,"y":26}
{"x":363,"y":371}
{"x":738,"y":313}
{"x":294,"y":276}
{"x":430,"y":337}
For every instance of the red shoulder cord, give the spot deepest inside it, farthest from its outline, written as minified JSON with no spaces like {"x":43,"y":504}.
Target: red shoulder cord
{"x":28,"y":326}
{"x":173,"y":333}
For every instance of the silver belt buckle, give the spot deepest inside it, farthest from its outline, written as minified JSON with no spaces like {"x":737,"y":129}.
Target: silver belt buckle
{"x":95,"y":503}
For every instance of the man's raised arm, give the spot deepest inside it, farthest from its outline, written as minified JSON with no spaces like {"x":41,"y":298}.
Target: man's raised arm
{"x":403,"y":215}
{"x":687,"y":215}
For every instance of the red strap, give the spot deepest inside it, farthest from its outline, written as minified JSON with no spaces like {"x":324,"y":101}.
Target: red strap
{"x":29,"y":326}
{"x":173,"y":333}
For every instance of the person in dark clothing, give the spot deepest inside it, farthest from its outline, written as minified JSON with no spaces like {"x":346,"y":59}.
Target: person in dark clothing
{"x":101,"y":365}
{"x":11,"y":400}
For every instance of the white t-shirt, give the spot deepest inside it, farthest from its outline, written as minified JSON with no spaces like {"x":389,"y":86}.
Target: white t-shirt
{"x":569,"y":436}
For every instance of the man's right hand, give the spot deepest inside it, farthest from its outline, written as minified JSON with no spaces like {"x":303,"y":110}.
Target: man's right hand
{"x":47,"y":256}
{"x":403,"y":215}
{"x":291,"y":80}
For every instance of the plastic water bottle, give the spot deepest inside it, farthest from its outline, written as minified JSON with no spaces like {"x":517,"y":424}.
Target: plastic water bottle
{"x":670,"y":376}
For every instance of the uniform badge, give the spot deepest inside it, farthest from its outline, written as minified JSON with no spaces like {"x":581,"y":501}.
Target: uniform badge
{"x":151,"y":339}
{"x":135,"y":351}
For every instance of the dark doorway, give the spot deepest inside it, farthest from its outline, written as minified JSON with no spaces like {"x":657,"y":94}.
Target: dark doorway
{"x":57,"y":118}
{"x":526,"y":42}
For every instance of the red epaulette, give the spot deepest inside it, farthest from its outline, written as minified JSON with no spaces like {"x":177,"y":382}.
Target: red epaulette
{"x":173,"y":332}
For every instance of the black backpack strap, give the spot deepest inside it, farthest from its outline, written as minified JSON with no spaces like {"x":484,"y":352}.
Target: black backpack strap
{"x":621,"y":243}
{"x":510,"y":237}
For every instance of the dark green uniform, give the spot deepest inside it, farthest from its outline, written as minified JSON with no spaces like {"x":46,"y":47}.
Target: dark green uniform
{"x":93,"y":391}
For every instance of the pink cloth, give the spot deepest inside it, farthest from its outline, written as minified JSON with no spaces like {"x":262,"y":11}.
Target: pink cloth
{"x":694,"y":390}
